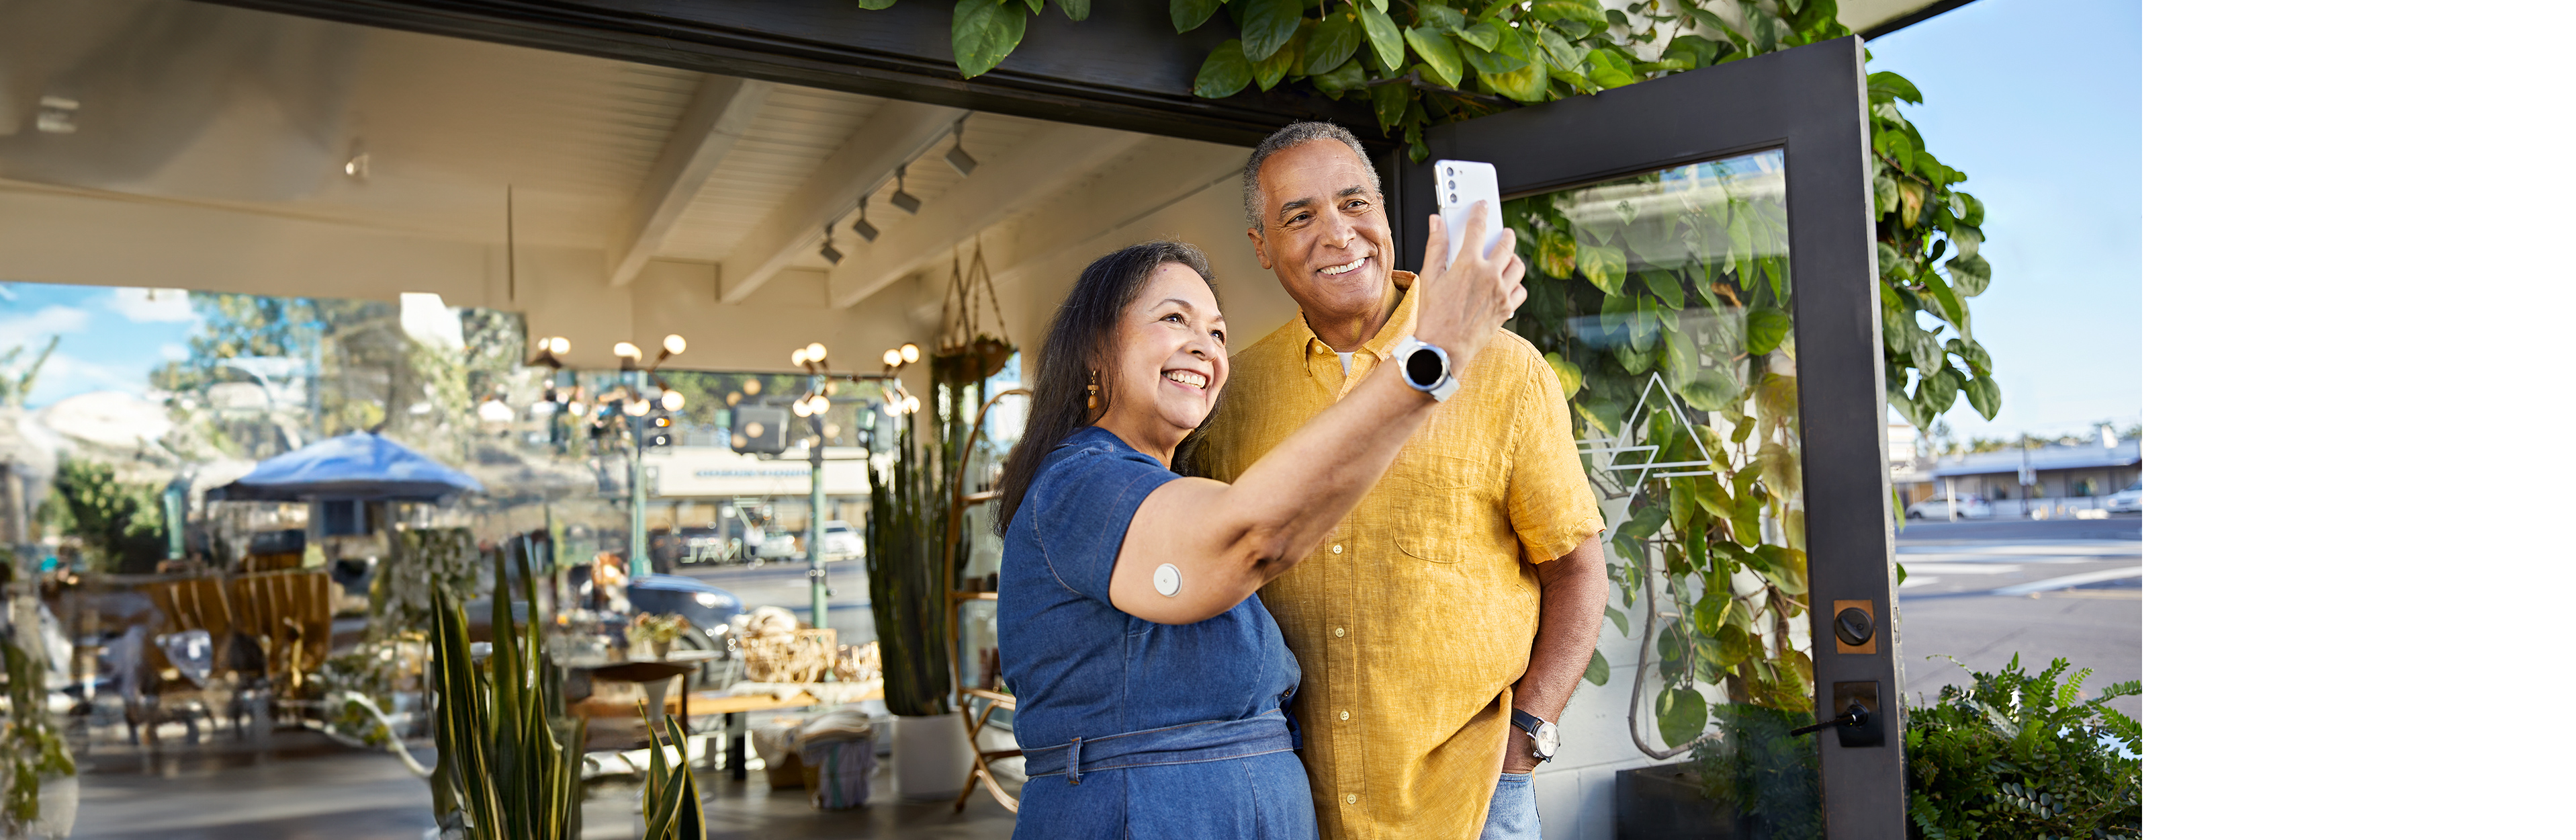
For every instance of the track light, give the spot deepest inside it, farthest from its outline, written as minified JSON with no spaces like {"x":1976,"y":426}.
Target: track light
{"x":901,"y":199}
{"x":957,"y":157}
{"x":830,"y":254}
{"x":861,"y":227}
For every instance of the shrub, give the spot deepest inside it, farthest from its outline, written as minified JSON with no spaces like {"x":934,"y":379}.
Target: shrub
{"x":2017,"y":756}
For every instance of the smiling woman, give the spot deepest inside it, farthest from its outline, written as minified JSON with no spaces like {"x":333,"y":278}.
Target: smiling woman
{"x":1123,"y":579}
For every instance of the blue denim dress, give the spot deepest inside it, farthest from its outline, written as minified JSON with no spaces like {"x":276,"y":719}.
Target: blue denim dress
{"x":1136,"y":729}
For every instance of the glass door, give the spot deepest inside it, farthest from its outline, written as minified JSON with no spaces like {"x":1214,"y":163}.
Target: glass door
{"x":1703,"y":279}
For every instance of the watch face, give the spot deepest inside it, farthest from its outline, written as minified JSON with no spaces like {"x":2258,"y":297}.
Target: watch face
{"x":1423,"y":367}
{"x":1546,"y":739}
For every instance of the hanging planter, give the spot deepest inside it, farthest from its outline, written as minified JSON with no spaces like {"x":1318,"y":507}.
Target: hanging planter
{"x":967,"y":354}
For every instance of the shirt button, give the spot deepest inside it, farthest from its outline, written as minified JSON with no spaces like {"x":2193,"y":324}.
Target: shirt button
{"x":1337,"y":632}
{"x":1337,"y":548}
{"x":1350,"y":799}
{"x":1346,"y":715}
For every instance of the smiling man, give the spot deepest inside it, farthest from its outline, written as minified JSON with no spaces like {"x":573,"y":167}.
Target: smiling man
{"x":1444,"y":624}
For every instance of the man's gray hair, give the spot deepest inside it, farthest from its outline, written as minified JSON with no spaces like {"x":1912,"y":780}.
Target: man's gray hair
{"x":1295,"y":134}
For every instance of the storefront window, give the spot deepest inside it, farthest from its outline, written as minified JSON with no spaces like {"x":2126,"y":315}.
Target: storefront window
{"x":1664,"y":302}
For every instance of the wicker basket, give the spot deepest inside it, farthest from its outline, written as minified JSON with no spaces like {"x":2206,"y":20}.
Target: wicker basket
{"x":802,"y":658}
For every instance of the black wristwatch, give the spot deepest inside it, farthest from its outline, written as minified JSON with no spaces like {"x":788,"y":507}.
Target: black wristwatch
{"x":1540,"y":731}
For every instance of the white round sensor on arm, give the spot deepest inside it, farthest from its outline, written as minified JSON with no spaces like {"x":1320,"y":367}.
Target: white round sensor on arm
{"x":1167,"y":580}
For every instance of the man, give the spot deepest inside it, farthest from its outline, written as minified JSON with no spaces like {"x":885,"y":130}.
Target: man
{"x":1469,"y":584}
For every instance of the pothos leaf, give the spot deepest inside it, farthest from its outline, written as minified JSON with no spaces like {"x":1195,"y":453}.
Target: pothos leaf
{"x":1191,"y":14}
{"x":1486,"y":34}
{"x":1617,"y":618}
{"x":1075,"y":9}
{"x":1389,"y":101}
{"x":983,"y":32}
{"x":1680,"y":715}
{"x":1985,"y":396}
{"x":1267,"y":26}
{"x":1333,"y":42}
{"x":1268,"y":71}
{"x":1224,"y":73}
{"x":1439,"y":17}
{"x":1439,"y":55}
{"x":1885,"y":86}
{"x":1607,"y":268}
{"x":874,"y":5}
{"x":1608,"y":69}
{"x":1384,"y":39}
{"x":1764,"y":328}
{"x":1597,"y":673}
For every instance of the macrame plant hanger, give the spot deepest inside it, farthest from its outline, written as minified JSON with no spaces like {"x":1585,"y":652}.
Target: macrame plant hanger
{"x":966,"y":352}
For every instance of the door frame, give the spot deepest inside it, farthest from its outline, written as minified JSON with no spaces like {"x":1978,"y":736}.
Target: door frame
{"x":1812,"y":103}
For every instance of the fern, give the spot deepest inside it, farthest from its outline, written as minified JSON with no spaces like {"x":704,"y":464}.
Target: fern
{"x":2019,"y":755}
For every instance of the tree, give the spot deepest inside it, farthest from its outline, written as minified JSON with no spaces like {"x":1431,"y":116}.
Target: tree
{"x":119,"y":524}
{"x":14,"y":388}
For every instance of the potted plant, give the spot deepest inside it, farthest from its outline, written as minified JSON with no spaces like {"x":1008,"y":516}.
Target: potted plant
{"x":908,"y":574}
{"x":509,"y":759}
{"x":649,"y":635}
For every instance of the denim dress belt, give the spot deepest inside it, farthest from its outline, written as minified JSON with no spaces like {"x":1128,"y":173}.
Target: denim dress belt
{"x":1212,"y":740}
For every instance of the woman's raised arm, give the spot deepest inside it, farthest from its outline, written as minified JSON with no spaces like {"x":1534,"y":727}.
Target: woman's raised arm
{"x":1227,"y":540}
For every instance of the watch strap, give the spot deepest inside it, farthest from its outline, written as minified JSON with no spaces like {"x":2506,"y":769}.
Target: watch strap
{"x":1527,"y":722}
{"x":1440,"y":391}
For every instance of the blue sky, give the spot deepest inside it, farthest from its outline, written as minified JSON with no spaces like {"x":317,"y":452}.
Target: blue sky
{"x":2038,"y":101}
{"x":112,"y":338}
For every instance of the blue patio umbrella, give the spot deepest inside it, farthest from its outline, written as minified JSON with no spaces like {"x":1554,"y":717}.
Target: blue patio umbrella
{"x":360,"y":465}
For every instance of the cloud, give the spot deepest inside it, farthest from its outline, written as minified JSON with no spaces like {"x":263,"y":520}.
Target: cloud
{"x":174,"y":352}
{"x":144,"y":306}
{"x":67,"y":375}
{"x":33,"y":328}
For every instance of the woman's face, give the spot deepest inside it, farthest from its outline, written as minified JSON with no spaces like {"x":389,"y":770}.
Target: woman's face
{"x":1170,"y":360}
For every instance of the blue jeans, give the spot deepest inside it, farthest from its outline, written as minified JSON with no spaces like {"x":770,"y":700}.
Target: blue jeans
{"x":1514,"y":814}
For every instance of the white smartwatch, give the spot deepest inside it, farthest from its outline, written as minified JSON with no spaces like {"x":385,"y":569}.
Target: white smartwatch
{"x":1426,"y":368}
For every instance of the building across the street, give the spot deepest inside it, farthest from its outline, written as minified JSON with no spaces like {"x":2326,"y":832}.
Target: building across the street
{"x":2055,"y":479}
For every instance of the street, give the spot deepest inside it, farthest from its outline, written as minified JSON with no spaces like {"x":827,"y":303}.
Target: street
{"x":1982,"y":591}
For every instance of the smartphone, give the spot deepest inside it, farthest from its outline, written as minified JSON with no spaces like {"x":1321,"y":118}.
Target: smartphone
{"x":1460,"y":184}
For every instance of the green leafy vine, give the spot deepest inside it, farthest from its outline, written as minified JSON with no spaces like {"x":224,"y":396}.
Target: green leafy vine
{"x":1424,"y":63}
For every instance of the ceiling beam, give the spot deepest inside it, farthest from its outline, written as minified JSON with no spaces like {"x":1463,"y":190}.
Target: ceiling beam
{"x":898,"y":132}
{"x":1046,"y":163}
{"x":1143,"y":178}
{"x":722,"y":110}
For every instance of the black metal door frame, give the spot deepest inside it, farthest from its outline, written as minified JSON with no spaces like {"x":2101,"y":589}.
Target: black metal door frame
{"x":1812,"y":103}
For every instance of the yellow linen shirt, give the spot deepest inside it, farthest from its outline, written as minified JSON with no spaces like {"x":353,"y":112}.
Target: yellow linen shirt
{"x":1415,"y":617}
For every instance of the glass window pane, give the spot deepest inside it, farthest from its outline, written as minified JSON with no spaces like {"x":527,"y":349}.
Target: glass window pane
{"x":1663,"y":301}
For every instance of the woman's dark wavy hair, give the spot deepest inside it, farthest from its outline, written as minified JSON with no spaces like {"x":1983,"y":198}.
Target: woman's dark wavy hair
{"x":1084,"y":335}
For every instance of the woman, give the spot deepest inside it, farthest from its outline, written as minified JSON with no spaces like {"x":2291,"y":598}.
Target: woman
{"x":1150,"y":682}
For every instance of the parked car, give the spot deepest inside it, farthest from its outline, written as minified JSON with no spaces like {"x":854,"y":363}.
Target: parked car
{"x":708,"y":608}
{"x":1939,"y":508}
{"x":840,"y":541}
{"x":2129,"y":499}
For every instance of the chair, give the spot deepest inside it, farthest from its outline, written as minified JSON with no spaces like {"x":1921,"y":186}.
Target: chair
{"x":958,"y":501}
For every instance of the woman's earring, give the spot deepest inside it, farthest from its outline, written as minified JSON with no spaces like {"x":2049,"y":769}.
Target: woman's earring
{"x":1092,"y":399}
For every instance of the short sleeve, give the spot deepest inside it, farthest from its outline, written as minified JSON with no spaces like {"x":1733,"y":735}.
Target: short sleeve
{"x":1550,"y":501}
{"x":1082,"y":505}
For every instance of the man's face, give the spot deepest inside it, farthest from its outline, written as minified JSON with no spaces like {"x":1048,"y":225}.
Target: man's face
{"x":1324,"y":229}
